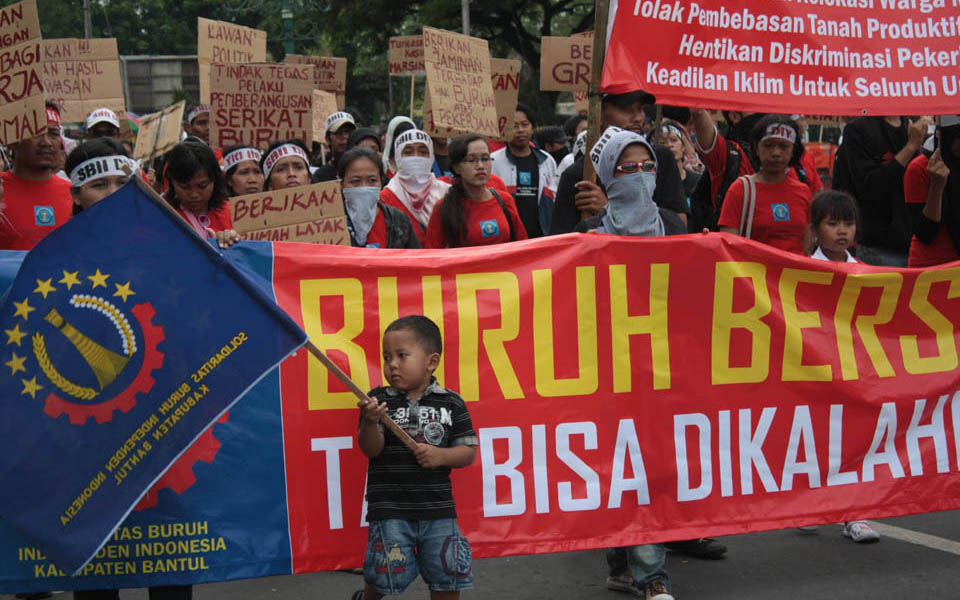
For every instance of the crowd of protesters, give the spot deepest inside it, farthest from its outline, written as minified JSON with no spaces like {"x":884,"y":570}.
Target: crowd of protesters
{"x":895,"y":200}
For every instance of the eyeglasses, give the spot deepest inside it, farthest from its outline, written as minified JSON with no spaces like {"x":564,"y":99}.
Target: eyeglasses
{"x":647,"y":166}
{"x":474,"y":160}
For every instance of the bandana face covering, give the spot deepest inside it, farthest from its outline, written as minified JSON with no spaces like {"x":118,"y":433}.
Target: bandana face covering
{"x":361,"y":205}
{"x":415,"y":171}
{"x":631,"y":199}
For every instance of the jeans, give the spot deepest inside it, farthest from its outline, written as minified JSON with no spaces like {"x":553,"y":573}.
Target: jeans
{"x":880,"y":257}
{"x":398,"y":550}
{"x":645,"y":562}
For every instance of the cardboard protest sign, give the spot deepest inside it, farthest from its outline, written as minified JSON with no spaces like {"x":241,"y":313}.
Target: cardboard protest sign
{"x":82,"y":75}
{"x":842,"y":58}
{"x":159,"y":132}
{"x":256,"y":104}
{"x":430,"y":124}
{"x":406,"y":55}
{"x":324,"y":105}
{"x":581,"y":102}
{"x":22,"y":112}
{"x":458,"y":81}
{"x":505,"y":76}
{"x":566,"y":63}
{"x":312,"y":213}
{"x":220,"y":42}
{"x":330,"y":74}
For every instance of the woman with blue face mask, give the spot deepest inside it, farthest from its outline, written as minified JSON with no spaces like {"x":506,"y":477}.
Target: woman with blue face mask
{"x":371,"y":223}
{"x":627,"y":167}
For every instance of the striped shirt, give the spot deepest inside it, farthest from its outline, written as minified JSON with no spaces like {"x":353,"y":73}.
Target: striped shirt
{"x":398,"y":487}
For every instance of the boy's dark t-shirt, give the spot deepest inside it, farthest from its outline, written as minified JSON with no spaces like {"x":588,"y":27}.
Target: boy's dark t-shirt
{"x":528,"y":189}
{"x":397,"y":486}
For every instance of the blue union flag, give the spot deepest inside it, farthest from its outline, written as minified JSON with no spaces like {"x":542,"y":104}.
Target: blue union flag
{"x":124,"y":336}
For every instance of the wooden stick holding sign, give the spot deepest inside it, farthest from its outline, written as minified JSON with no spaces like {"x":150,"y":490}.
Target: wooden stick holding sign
{"x":413,"y":80}
{"x":389,"y":423}
{"x":596,"y":78}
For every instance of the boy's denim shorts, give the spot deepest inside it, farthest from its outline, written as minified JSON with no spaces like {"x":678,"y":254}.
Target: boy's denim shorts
{"x":398,"y":550}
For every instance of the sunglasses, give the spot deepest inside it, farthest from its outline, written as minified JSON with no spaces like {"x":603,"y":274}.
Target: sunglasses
{"x":647,"y":166}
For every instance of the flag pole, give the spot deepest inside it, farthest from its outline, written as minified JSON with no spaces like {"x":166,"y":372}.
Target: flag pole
{"x":390,"y":424}
{"x":601,"y":13}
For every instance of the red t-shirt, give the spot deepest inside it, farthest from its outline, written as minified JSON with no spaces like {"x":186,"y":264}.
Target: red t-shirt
{"x":495,"y":182}
{"x":390,"y":199}
{"x":486,"y":224}
{"x":377,"y":237}
{"x":220,"y":219}
{"x":780,"y":216}
{"x":716,"y":163}
{"x":916,"y":184}
{"x":32,"y":209}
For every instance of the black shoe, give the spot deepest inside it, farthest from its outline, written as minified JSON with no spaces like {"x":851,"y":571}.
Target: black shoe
{"x":705,"y":548}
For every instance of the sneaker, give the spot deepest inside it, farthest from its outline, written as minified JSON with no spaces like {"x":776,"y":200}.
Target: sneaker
{"x":807,"y":529}
{"x":705,"y":548}
{"x":860,"y":532}
{"x":622,"y":583}
{"x":656,"y":590}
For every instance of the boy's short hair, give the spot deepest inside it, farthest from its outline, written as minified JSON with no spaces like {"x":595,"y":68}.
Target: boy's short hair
{"x":426,"y":331}
{"x":836,"y":204}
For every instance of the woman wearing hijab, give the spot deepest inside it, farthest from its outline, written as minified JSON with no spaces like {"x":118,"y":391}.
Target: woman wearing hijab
{"x":932,"y":190}
{"x":673,"y":135}
{"x":285,"y":165}
{"x":371,"y":223}
{"x":414,"y":189}
{"x":397,"y":126}
{"x":241,"y":169}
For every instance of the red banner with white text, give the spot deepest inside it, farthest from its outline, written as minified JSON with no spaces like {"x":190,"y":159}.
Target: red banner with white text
{"x":633,"y":390}
{"x":859,"y":57}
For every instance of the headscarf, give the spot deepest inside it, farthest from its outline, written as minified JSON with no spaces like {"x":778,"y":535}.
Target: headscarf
{"x":388,"y":143}
{"x":631,"y":210}
{"x":419,"y":199}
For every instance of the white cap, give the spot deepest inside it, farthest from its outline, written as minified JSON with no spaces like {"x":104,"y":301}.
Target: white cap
{"x":337,"y":120}
{"x":103,"y":115}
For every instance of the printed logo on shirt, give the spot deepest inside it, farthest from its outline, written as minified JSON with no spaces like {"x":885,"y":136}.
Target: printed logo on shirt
{"x":524,"y":178}
{"x":44,"y":216}
{"x":781,"y":212}
{"x":489,"y":228}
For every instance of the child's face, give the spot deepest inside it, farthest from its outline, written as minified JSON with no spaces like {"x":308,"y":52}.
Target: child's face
{"x":407,"y":365}
{"x":835,"y":234}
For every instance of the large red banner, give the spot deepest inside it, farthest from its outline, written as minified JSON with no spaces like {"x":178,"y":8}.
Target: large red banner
{"x":856,"y":57}
{"x":633,"y":390}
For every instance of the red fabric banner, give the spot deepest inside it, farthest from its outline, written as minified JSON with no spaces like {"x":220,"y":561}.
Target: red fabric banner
{"x":856,"y":57}
{"x":633,"y":390}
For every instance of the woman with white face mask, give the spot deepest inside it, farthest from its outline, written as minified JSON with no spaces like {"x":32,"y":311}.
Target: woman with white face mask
{"x":371,"y":223}
{"x":414,"y":189}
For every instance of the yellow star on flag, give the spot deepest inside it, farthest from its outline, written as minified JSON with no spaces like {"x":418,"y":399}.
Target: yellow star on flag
{"x":16,"y":364}
{"x":44,"y":287}
{"x":124,"y":291}
{"x":70,"y":279}
{"x":98,"y":279}
{"x":14,"y":335}
{"x":30,"y":386}
{"x":23,"y":309}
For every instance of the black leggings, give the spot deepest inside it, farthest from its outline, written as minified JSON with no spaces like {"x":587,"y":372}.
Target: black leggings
{"x":166,"y":592}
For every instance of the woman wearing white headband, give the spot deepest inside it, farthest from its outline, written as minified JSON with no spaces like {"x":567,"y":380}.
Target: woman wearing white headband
{"x":771,"y":207}
{"x":285,"y":165}
{"x":241,"y":169}
{"x":673,"y":135}
{"x":415,"y":189}
{"x":97,"y":169}
{"x":397,"y":126}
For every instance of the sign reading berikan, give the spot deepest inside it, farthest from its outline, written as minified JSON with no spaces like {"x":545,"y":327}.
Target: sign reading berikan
{"x":458,"y":82}
{"x":406,"y":55}
{"x":259,"y":103}
{"x":82,"y":75}
{"x":221,"y":42}
{"x":312,"y":213}
{"x":877,"y":57}
{"x":505,"y":76}
{"x":566,"y":63}
{"x":22,"y":113}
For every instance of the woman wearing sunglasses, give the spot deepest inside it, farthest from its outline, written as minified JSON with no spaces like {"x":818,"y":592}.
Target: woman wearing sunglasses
{"x":770,"y":206}
{"x":471,"y":213}
{"x":627,"y":167}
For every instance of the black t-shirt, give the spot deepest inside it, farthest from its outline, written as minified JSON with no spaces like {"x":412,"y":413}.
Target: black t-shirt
{"x":668,"y":195}
{"x":528,"y":184}
{"x":397,"y":486}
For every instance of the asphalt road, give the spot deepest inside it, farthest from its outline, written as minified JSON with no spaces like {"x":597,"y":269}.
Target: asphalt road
{"x":919,"y":557}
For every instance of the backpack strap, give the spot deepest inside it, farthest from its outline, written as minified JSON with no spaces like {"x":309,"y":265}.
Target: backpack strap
{"x":749,"y":205}
{"x":513,"y":234}
{"x":730,"y":171}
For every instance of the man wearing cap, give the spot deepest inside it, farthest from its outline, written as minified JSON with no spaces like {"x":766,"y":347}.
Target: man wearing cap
{"x":339,"y":126}
{"x":198,"y":122}
{"x":574,"y":196}
{"x":35,"y":200}
{"x":103,"y":122}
